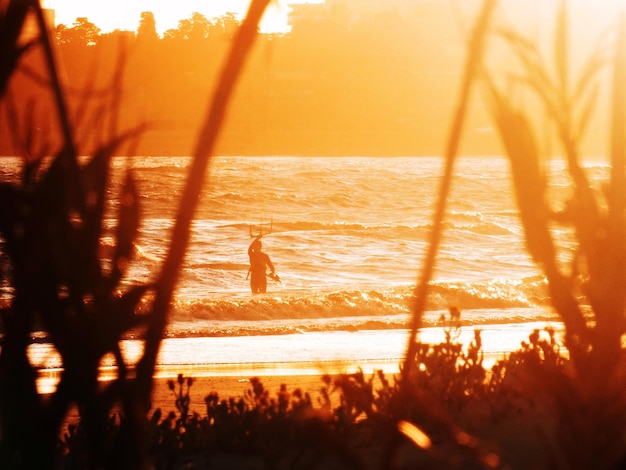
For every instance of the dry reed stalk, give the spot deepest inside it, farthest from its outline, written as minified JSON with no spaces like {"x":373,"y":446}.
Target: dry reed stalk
{"x":601,"y":256}
{"x":589,"y":297}
{"x":202,"y":154}
{"x":472,"y":69}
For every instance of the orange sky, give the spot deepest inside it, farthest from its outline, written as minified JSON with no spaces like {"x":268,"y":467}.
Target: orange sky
{"x":123,"y":14}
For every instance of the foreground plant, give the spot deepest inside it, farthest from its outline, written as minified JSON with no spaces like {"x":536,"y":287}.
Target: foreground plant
{"x":51,"y":226}
{"x":588,"y":292}
{"x":430,"y":409}
{"x":353,"y":417}
{"x":586,"y":395}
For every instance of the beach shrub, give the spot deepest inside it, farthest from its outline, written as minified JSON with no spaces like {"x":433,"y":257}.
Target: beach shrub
{"x":445,"y":370}
{"x":506,"y":411}
{"x":182,"y":396}
{"x":274,"y":429}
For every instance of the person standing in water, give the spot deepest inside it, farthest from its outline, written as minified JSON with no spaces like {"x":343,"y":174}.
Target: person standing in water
{"x":259,"y":262}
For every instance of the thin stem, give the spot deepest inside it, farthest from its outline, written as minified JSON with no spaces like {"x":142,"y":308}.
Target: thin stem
{"x":11,"y":24}
{"x":189,"y":200}
{"x":472,"y":67}
{"x":618,"y":122}
{"x":59,"y":97}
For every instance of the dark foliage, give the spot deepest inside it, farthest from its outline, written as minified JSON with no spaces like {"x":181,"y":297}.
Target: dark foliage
{"x":52,"y":223}
{"x":498,"y":414}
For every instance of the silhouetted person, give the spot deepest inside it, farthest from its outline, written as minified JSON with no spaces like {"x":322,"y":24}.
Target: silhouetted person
{"x":259,"y":262}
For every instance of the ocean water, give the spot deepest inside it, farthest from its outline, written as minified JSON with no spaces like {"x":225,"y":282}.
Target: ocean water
{"x":347,"y":236}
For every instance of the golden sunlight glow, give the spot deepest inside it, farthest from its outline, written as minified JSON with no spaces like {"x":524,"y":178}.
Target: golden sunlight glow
{"x":376,"y":117}
{"x":590,"y":15}
{"x":601,"y":15}
{"x":124,"y":15}
{"x":415,"y":434}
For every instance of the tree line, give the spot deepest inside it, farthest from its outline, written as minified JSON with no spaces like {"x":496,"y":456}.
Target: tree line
{"x":198,"y":26}
{"x":338,"y":84}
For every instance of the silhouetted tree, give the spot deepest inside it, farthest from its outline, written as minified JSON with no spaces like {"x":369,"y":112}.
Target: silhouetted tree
{"x":83,"y":32}
{"x":194,"y":28}
{"x":225,"y":25}
{"x":327,"y":89}
{"x":147,"y":27}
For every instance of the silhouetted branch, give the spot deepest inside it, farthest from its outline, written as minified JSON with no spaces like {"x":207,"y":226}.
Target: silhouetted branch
{"x":472,"y":68}
{"x":11,"y":23}
{"x":611,"y":276}
{"x":59,"y":97}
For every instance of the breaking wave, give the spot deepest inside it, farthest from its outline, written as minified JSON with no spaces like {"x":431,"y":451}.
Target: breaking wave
{"x":495,"y":301}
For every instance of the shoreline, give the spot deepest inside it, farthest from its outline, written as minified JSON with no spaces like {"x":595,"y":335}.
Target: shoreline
{"x":280,"y":360}
{"x":48,"y":378}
